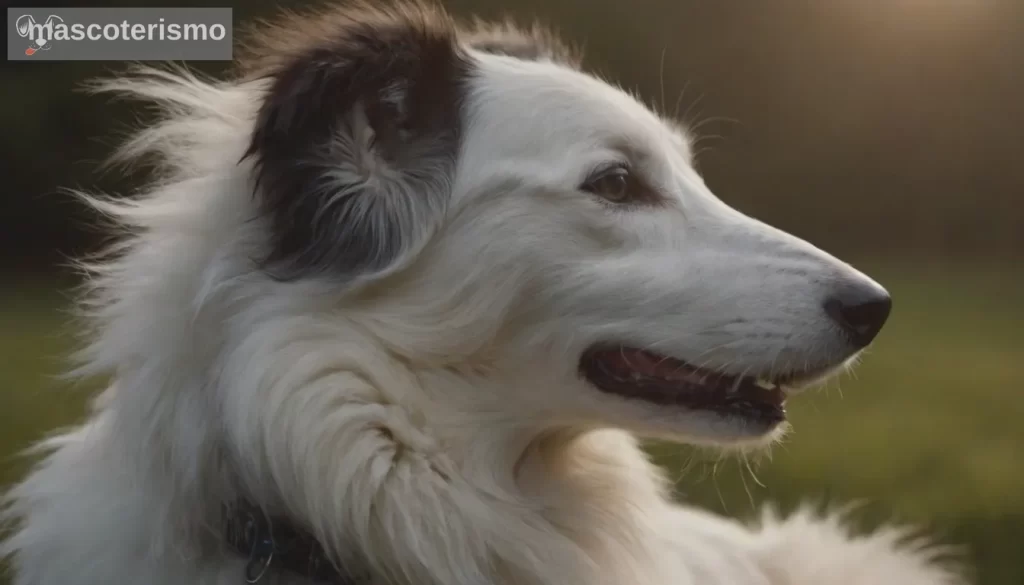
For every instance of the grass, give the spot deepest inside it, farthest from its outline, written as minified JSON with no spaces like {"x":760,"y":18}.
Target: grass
{"x":927,"y":431}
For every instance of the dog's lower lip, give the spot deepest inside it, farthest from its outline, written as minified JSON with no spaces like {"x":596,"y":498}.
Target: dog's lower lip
{"x":663,"y":380}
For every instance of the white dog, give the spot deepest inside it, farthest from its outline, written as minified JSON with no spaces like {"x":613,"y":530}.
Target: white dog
{"x":392,"y":313}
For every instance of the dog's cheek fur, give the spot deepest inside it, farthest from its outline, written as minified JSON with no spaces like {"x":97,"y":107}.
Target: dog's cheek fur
{"x":355,"y":145}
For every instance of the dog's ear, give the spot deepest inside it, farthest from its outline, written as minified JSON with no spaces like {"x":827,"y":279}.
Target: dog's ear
{"x":355,"y":146}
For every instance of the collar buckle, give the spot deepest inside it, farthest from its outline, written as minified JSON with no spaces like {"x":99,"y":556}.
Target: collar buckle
{"x":248,"y":530}
{"x":251,"y":534}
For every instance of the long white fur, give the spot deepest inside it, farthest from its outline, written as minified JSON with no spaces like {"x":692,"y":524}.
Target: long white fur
{"x":430,"y":429}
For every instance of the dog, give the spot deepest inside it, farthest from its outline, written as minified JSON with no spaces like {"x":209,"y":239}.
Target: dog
{"x":394,"y":310}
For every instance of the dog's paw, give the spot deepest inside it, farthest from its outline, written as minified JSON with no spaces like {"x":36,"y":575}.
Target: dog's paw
{"x":810,"y":548}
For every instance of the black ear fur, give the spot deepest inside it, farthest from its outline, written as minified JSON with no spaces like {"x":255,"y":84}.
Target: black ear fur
{"x":355,"y":145}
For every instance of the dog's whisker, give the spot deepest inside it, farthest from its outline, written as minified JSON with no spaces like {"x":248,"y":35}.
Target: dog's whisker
{"x":746,"y":461}
{"x":679,"y":100}
{"x":746,"y":488}
{"x":661,"y":79}
{"x":690,"y":107}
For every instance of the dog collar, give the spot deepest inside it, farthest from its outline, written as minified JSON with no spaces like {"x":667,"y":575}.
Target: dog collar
{"x":276,"y":544}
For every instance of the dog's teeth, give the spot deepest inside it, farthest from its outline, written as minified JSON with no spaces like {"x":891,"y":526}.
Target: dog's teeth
{"x":764,"y":384}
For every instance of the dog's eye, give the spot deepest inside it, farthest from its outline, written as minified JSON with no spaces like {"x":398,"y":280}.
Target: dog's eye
{"x":614,"y":184}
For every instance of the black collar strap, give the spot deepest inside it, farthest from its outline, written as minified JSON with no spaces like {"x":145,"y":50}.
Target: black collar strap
{"x":275,"y":544}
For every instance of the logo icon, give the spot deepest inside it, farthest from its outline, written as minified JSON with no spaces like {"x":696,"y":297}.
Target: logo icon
{"x":28,"y":28}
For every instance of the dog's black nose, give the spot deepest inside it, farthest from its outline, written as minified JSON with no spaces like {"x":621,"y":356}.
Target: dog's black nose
{"x":860,"y":310}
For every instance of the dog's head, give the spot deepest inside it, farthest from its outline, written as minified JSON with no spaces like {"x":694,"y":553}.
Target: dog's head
{"x":484,"y":202}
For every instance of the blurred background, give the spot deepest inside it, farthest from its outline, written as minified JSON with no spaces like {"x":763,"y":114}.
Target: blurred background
{"x":889,"y":132}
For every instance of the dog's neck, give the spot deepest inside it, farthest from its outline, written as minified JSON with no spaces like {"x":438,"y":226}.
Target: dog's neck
{"x":575,"y":494}
{"x":413,"y":472}
{"x":492,"y":488}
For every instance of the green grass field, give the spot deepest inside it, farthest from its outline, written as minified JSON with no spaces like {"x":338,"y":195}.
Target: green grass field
{"x":928,"y":430}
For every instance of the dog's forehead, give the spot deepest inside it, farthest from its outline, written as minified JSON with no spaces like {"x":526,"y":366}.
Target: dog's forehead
{"x":544,"y":105}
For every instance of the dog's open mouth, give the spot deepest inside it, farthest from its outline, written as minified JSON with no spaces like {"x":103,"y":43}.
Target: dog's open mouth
{"x":645,"y":375}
